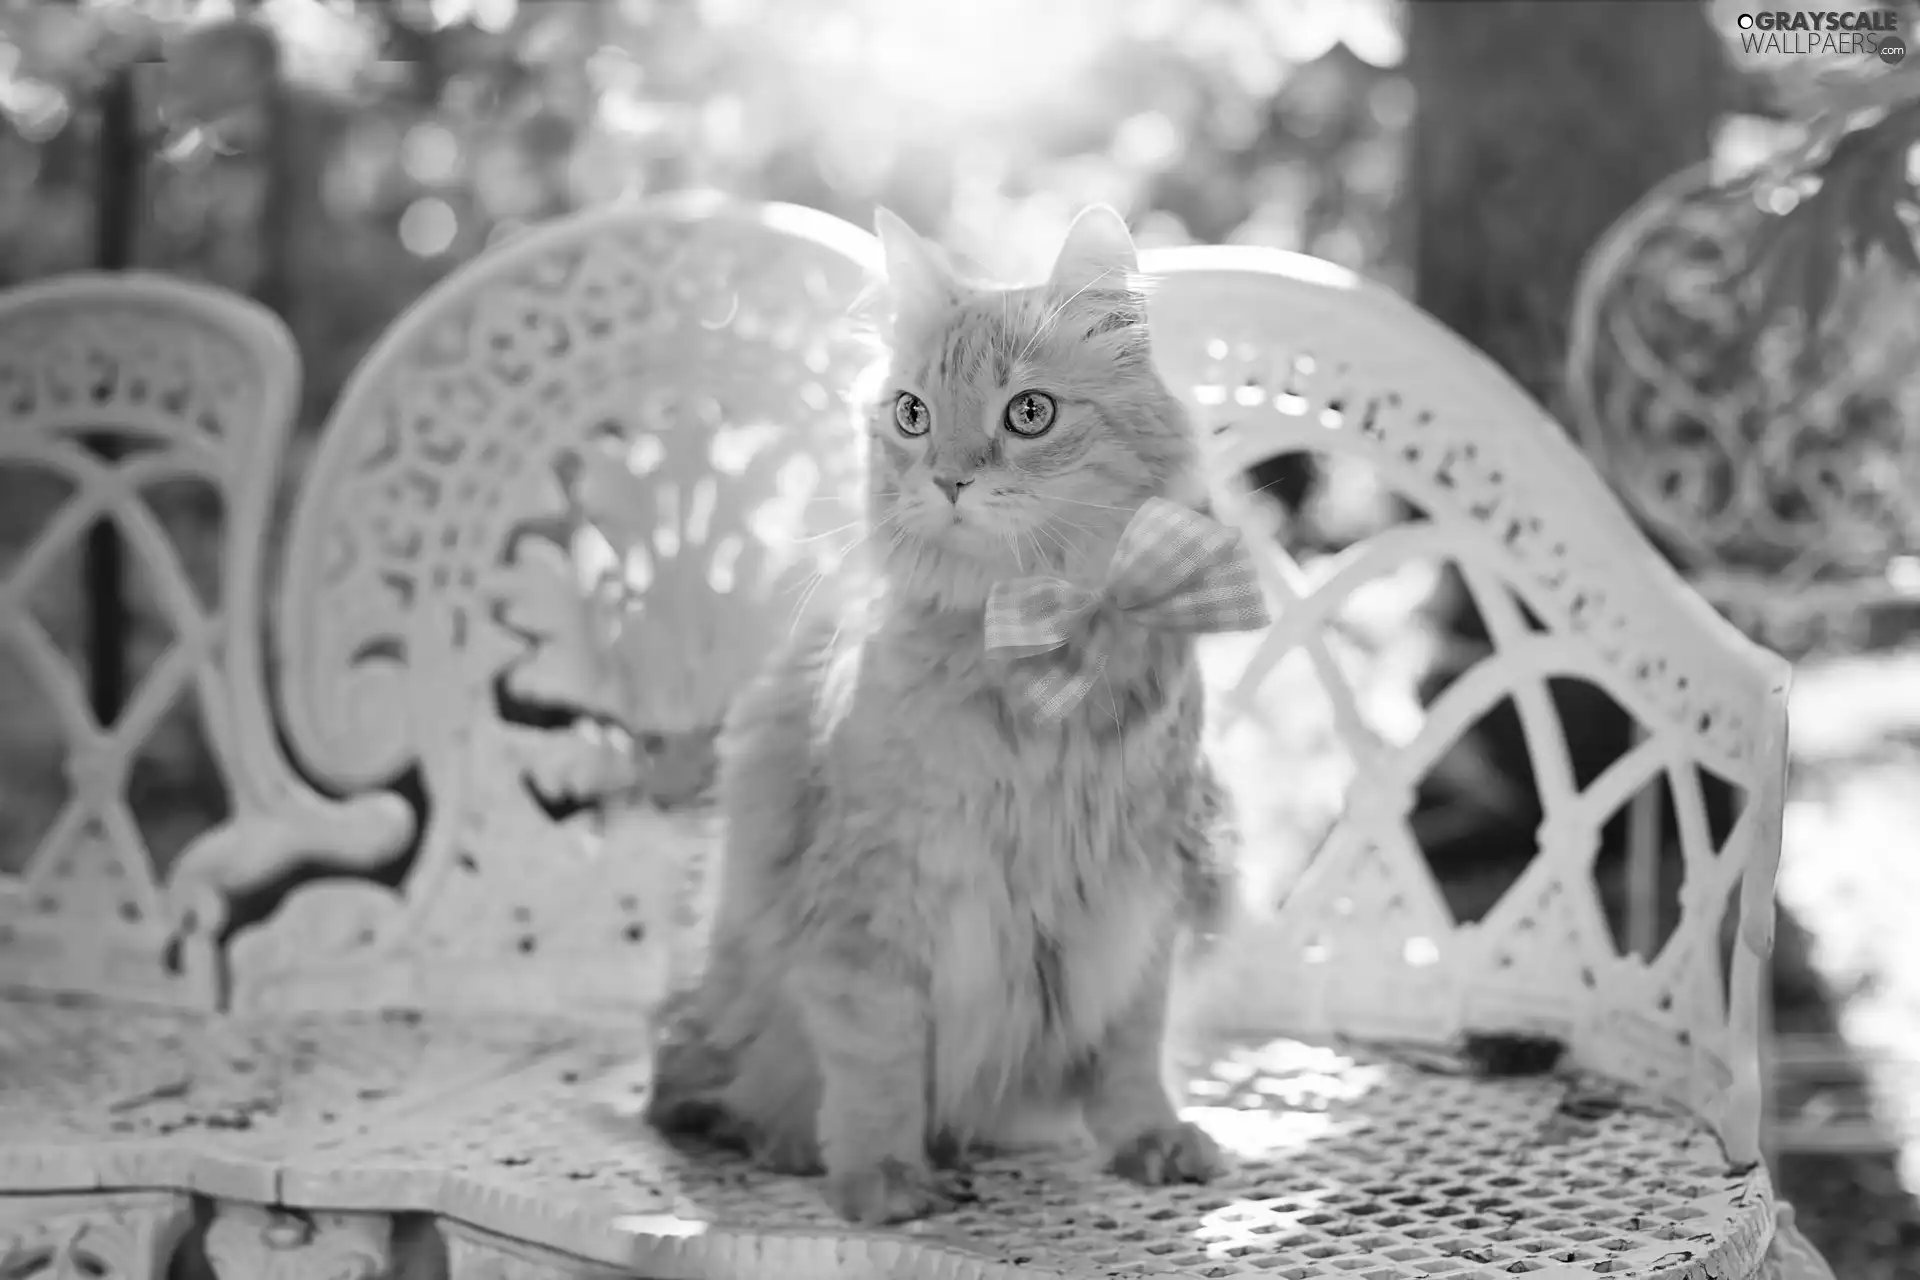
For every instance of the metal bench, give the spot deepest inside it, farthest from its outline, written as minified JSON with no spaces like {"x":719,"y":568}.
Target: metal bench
{"x":554,"y":519}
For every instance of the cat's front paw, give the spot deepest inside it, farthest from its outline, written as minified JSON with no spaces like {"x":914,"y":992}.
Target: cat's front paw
{"x":1176,"y":1152}
{"x":896,"y":1191}
{"x":948,"y":1152}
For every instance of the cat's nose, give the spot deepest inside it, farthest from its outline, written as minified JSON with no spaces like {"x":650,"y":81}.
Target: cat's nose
{"x":951,"y":486}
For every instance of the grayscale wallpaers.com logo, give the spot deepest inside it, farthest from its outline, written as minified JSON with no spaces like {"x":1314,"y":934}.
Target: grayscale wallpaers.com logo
{"x":1773,"y":32}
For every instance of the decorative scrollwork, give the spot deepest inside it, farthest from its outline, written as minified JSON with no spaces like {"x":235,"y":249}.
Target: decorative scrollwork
{"x":557,"y":518}
{"x":257,"y":1242}
{"x":197,"y":385}
{"x":128,"y":1235}
{"x":1786,"y":499}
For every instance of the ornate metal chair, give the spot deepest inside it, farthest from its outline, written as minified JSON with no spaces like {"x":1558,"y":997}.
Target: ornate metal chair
{"x":427,"y":1057}
{"x":1780,"y":489}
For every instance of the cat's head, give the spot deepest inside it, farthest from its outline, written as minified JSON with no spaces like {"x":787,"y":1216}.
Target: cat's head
{"x":1017,"y":428}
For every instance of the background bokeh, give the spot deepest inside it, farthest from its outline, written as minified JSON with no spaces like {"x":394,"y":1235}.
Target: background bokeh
{"x":409,"y":136}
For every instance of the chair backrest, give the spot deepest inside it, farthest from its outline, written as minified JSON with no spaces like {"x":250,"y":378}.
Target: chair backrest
{"x":559,"y":514}
{"x":1281,"y":355}
{"x":116,"y":391}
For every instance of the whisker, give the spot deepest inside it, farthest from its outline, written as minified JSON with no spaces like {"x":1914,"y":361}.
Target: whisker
{"x":1082,"y":502}
{"x":888,"y":522}
{"x":885,"y":523}
{"x":1113,"y":705}
{"x":1060,"y":518}
{"x":1060,"y":555}
{"x":1039,"y":552}
{"x":1053,"y":317}
{"x":828,"y":533}
{"x":1046,"y":527}
{"x":799,"y":611}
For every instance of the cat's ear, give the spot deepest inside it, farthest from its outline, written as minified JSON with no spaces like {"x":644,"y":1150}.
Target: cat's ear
{"x":917,"y":273}
{"x":1098,"y":253}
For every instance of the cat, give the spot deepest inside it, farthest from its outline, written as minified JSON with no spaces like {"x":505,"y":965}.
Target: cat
{"x":936,"y":913}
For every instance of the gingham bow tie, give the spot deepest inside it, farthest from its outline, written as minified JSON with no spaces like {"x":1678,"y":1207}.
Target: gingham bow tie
{"x":1174,"y":570}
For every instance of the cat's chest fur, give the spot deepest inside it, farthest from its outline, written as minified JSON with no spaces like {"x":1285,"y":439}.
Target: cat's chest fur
{"x":1046,"y":854}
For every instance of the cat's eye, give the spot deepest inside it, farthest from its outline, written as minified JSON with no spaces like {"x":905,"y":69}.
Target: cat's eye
{"x":910,"y":414}
{"x":1030,"y":414}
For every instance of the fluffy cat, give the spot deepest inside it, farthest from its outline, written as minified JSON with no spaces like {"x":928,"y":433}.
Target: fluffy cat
{"x":936,"y":913}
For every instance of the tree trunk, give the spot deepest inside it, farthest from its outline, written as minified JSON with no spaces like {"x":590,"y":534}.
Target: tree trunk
{"x":1538,"y":123}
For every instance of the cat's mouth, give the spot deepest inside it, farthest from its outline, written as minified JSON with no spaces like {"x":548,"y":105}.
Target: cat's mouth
{"x":991,"y":538}
{"x":959,"y":530}
{"x":941,"y":523}
{"x":995,"y":548}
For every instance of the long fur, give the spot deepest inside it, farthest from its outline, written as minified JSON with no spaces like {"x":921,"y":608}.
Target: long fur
{"x":936,"y":914}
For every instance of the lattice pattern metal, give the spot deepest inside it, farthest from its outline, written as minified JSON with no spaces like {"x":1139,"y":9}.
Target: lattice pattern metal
{"x":1348,"y":1163}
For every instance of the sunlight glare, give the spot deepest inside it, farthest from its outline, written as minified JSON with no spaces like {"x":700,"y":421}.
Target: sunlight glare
{"x":1262,"y":1134}
{"x":37,"y":110}
{"x":594,"y":557}
{"x":430,"y":154}
{"x":322,"y":46}
{"x":1303,"y":30}
{"x":446,"y":13}
{"x":977,"y":59}
{"x":428,"y":227}
{"x":662,"y":1224}
{"x":1149,"y":140}
{"x":493,"y":16}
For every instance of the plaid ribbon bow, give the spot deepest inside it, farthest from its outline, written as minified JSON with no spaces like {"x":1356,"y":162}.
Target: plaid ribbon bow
{"x":1174,"y":570}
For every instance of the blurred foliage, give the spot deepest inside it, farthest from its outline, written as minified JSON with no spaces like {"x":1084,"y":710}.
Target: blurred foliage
{"x":1842,"y":193}
{"x":336,"y":157}
{"x":1838,"y":185}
